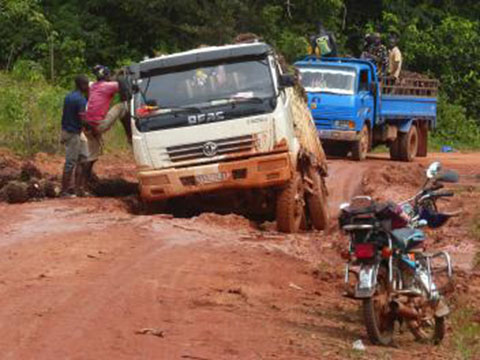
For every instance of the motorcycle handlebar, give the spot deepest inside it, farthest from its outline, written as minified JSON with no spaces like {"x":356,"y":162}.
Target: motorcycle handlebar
{"x":437,"y":187}
{"x":443,"y":194}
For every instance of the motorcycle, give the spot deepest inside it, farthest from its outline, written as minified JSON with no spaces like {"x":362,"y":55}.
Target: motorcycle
{"x":392,"y":274}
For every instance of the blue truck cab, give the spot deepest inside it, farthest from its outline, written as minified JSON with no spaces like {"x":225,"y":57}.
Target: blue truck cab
{"x":354,"y":111}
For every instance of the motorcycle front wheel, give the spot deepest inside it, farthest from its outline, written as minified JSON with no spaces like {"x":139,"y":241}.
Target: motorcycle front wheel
{"x":430,"y":328}
{"x":377,"y":313}
{"x":430,"y":331}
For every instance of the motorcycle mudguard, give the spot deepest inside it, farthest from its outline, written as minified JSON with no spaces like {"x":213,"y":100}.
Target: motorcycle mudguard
{"x":367,"y":281}
{"x":442,"y":309}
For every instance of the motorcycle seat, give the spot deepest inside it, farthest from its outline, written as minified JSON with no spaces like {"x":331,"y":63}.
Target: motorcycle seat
{"x":407,"y":238}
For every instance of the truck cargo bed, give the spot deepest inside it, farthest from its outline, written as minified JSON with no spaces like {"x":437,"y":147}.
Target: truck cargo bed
{"x":408,"y":107}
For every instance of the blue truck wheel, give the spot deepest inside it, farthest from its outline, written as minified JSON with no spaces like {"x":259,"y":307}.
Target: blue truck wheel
{"x":408,"y":144}
{"x":361,"y":146}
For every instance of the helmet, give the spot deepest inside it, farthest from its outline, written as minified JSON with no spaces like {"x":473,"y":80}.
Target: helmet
{"x":101,"y":72}
{"x":434,"y":219}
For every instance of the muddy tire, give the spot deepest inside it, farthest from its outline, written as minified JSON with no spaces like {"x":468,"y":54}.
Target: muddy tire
{"x":378,"y":319}
{"x":360,"y":147}
{"x":435,"y":334}
{"x":394,"y":150}
{"x":290,"y":205}
{"x":317,"y":202}
{"x":422,"y":140}
{"x":408,"y":144}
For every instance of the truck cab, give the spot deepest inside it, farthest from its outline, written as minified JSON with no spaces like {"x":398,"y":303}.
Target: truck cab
{"x":220,"y":119}
{"x":354,"y":111}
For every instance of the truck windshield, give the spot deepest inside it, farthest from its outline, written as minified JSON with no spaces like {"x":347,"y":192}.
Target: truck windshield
{"x":328,"y":79}
{"x":206,"y":86}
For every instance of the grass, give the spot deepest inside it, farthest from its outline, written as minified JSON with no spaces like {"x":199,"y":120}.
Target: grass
{"x":466,"y":330}
{"x":30,"y":117}
{"x":466,"y":333}
{"x":435,"y":144}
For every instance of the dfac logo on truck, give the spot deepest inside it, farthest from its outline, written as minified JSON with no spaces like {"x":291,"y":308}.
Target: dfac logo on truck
{"x":210,"y":149}
{"x":206,"y":118}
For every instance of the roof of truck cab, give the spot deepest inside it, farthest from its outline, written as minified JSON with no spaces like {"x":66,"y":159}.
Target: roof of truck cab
{"x":202,"y":55}
{"x":357,"y":64}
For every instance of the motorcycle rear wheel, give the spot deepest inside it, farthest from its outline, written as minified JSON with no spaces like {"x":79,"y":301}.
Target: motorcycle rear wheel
{"x":377,"y":314}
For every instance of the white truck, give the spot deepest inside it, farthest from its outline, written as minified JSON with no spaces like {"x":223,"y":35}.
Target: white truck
{"x":227,"y":118}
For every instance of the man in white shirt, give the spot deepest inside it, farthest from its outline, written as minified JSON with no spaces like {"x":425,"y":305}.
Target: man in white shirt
{"x":395,"y":58}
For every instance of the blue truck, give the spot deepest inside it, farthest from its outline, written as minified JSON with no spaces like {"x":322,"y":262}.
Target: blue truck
{"x":355,"y":112}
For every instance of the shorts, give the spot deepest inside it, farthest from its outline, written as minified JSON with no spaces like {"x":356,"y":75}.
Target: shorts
{"x":95,"y":145}
{"x":76,"y":149}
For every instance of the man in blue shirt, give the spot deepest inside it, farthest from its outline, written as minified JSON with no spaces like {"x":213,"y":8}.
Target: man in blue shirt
{"x":76,"y":146}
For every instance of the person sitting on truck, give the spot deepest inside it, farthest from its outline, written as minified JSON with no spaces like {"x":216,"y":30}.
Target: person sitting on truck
{"x":247,"y":38}
{"x":377,"y":52}
{"x":99,"y":118}
{"x":395,"y":58}
{"x":75,"y":143}
{"x":367,"y":42}
{"x":323,"y":43}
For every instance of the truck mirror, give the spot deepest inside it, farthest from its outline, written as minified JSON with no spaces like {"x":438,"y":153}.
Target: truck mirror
{"x":287,"y":80}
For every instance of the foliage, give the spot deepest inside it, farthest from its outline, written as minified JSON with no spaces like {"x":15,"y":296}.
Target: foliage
{"x":30,"y":111}
{"x":455,"y":128}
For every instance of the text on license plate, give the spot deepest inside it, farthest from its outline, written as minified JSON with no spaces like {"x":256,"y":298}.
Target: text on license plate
{"x":210,"y":178}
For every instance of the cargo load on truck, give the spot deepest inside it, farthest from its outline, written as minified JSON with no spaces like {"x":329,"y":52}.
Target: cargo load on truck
{"x":227,"y":118}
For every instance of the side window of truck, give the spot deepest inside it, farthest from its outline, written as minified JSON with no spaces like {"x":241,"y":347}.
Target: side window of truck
{"x":364,"y":81}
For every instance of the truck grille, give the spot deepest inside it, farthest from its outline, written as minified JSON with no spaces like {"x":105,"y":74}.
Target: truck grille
{"x":211,"y":149}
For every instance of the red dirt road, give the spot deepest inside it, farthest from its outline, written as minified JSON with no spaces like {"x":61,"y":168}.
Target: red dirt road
{"x":79,"y":279}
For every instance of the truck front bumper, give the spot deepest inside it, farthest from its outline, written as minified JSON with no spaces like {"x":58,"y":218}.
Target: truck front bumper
{"x":338,"y":135}
{"x":255,"y":172}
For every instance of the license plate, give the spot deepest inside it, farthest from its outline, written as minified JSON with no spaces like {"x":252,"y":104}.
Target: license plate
{"x":210,"y":178}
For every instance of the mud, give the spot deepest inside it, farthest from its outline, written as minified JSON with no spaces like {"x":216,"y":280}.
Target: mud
{"x":84,"y":278}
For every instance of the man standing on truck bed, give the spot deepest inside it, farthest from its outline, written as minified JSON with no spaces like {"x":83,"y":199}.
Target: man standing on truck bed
{"x":75,"y":146}
{"x":395,"y":58}
{"x":98,"y":117}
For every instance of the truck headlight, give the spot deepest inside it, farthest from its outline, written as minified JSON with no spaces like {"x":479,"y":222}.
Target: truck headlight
{"x":344,"y":124}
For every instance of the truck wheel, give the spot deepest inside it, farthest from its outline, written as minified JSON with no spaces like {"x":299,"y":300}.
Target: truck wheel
{"x":422,"y":140}
{"x":291,"y":205}
{"x":394,"y":150}
{"x":317,"y":202}
{"x":408,"y":144}
{"x":360,"y":147}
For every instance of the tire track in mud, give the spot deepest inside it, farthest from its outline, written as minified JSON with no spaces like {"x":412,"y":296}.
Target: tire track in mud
{"x":344,"y":181}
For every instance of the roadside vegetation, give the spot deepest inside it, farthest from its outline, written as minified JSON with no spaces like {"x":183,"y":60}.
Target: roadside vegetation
{"x":466,"y":337}
{"x":46,"y":43}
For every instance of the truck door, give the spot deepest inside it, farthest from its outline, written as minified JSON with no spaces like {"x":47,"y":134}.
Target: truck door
{"x":367,"y":100}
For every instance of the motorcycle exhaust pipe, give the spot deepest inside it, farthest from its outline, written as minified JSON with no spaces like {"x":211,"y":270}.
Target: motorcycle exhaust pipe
{"x":404,"y":311}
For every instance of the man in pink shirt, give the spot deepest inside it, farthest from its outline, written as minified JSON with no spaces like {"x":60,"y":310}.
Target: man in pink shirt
{"x":99,"y":117}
